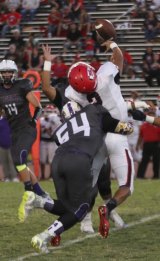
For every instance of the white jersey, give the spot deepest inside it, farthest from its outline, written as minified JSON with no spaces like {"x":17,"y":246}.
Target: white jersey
{"x":49,"y":124}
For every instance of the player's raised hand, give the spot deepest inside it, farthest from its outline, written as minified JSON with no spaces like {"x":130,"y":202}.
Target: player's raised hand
{"x":107,"y":44}
{"x":47,"y":53}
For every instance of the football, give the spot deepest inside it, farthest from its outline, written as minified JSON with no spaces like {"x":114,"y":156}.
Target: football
{"x":105,"y":30}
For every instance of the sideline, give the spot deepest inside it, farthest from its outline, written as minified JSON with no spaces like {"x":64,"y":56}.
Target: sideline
{"x":80,"y":239}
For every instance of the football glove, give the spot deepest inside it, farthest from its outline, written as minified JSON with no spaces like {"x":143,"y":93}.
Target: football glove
{"x":124,"y":128}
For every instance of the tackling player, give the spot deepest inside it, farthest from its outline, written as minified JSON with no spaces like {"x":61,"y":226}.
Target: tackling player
{"x":79,"y":139}
{"x":15,"y":96}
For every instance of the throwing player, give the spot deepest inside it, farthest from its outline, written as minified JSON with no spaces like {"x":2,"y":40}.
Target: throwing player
{"x":102,"y":87}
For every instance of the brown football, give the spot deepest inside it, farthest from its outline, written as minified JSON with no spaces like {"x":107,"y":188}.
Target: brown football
{"x":105,"y":30}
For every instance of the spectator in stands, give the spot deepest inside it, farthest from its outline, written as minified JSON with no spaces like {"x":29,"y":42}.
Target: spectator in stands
{"x":95,"y":63}
{"x":151,"y":67}
{"x":66,"y":20}
{"x":48,"y":123}
{"x":85,"y":22}
{"x":77,"y":58}
{"x":29,"y":9}
{"x":73,"y":38}
{"x":140,"y":10}
{"x":58,"y":4}
{"x":2,"y":18}
{"x":31,"y":41}
{"x":128,"y":61}
{"x":150,"y":137}
{"x":35,"y":59}
{"x":89,"y":46}
{"x":155,"y":5}
{"x":59,"y":72}
{"x":17,"y":40}
{"x":12,"y":21}
{"x":3,"y":6}
{"x":28,"y":49}
{"x":75,"y":7}
{"x":14,"y":55}
{"x":54,"y":19}
{"x":13,"y":3}
{"x":151,"y":26}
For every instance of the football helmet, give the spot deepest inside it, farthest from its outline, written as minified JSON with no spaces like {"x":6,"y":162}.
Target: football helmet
{"x":82,"y":77}
{"x":69,"y":109}
{"x":8,"y":66}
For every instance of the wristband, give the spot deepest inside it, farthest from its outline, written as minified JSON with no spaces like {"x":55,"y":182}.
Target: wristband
{"x":47,"y":66}
{"x":149,"y":119}
{"x":113,"y":45}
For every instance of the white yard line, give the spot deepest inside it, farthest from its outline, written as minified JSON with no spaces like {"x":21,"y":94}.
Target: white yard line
{"x":80,"y":239}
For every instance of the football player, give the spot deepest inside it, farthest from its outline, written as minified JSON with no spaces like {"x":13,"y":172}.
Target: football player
{"x":15,"y":96}
{"x":79,"y":139}
{"x":102,"y":87}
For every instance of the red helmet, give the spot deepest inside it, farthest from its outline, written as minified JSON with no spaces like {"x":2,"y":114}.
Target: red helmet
{"x":82,"y":77}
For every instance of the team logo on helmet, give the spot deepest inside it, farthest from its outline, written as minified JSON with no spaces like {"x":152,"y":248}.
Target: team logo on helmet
{"x":82,"y":77}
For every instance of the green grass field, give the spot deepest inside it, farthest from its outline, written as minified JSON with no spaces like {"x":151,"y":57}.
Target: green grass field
{"x":140,"y":241}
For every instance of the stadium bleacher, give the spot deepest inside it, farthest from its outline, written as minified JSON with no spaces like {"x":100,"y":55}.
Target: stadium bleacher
{"x":129,"y":32}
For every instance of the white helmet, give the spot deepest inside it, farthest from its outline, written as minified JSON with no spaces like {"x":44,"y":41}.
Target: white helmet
{"x":69,"y":109}
{"x":8,"y":65}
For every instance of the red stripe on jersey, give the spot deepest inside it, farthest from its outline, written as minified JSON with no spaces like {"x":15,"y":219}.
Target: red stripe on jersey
{"x":128,"y":183}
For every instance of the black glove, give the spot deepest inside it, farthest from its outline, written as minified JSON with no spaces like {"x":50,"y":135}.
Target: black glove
{"x":137,"y":115}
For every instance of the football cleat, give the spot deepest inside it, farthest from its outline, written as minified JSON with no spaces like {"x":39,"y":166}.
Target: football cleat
{"x":118,"y":221}
{"x":47,"y":196}
{"x":55,"y":241}
{"x":86,"y":224}
{"x":104,"y":223}
{"x":26,"y":205}
{"x":40,"y":242}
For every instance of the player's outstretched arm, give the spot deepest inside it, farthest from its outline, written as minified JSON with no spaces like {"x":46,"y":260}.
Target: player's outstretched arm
{"x":113,"y":125}
{"x":140,"y":116}
{"x":49,"y":90}
{"x":117,"y":55}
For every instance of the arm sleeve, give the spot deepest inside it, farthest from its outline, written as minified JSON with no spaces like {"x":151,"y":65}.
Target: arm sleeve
{"x":109,"y":124}
{"x":26,"y":86}
{"x":58,"y":100}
